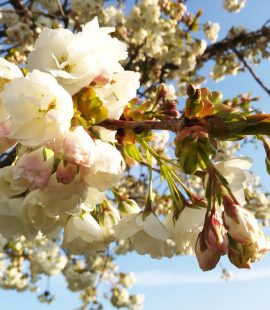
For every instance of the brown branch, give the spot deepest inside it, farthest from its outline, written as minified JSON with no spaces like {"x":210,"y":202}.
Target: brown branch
{"x":34,"y":12}
{"x":227,"y":44}
{"x":19,"y":6}
{"x":247,"y":66}
{"x":243,"y":39}
{"x":172,"y":124}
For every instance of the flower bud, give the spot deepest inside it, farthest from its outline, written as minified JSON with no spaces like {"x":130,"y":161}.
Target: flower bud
{"x":188,"y":158}
{"x":215,"y":234}
{"x":169,"y":105}
{"x":173,"y":113}
{"x":66,"y":172}
{"x":162,"y":90}
{"x":128,"y":206}
{"x":191,"y":90}
{"x":109,"y":217}
{"x":207,"y":259}
{"x":216,"y":96}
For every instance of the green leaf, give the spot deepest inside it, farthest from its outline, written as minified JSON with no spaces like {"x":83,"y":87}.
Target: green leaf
{"x":148,"y":158}
{"x":132,"y":152}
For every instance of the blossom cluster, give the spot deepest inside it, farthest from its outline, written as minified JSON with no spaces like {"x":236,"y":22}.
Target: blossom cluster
{"x":170,"y":33}
{"x":65,"y":162}
{"x":51,"y":115}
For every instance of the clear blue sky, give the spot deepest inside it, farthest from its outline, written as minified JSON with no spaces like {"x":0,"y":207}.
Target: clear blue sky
{"x":178,"y":283}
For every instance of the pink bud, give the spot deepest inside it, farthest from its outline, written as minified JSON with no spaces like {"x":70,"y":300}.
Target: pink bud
{"x":215,"y":233}
{"x":207,"y":258}
{"x":66,"y":172}
{"x":79,"y":147}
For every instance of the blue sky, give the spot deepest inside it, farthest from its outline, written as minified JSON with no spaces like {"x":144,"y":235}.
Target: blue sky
{"x":178,"y":283}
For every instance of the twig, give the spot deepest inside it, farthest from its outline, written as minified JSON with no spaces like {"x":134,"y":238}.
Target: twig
{"x":60,"y":8}
{"x":257,"y":79}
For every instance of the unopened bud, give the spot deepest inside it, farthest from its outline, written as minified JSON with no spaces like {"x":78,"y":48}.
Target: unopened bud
{"x":66,"y":172}
{"x":207,"y":259}
{"x":162,"y":90}
{"x":191,"y":90}
{"x":216,"y":96}
{"x":128,"y":206}
{"x":215,"y":233}
{"x":169,"y":105}
{"x":109,"y":217}
{"x":188,"y":158}
{"x":173,"y":113}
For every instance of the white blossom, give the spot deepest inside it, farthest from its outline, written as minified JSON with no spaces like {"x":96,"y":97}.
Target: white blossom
{"x":33,"y":169}
{"x":73,"y":59}
{"x":146,"y":233}
{"x":107,"y":168}
{"x":116,"y":94}
{"x":235,"y":171}
{"x":184,"y":231}
{"x":83,"y":234}
{"x":79,"y":147}
{"x":40,"y":110}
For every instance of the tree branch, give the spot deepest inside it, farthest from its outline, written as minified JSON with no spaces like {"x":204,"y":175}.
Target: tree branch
{"x":228,"y":43}
{"x":20,"y":8}
{"x":257,"y":79}
{"x":171,"y":124}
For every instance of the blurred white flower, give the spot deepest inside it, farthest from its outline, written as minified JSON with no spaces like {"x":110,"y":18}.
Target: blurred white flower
{"x":211,"y":31}
{"x":234,"y":5}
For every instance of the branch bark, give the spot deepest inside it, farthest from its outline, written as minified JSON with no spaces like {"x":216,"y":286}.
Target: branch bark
{"x":20,"y":8}
{"x":171,"y":124}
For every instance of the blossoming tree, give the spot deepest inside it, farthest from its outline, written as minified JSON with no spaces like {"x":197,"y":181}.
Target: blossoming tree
{"x":88,"y":97}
